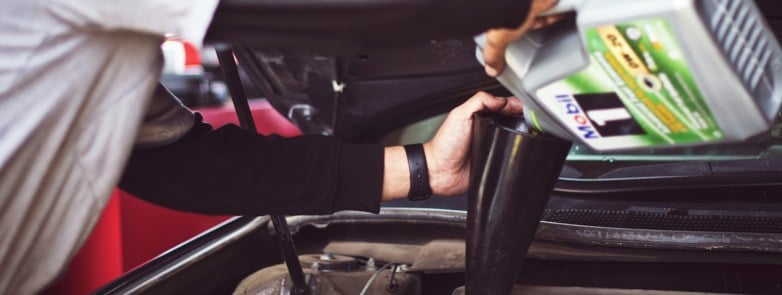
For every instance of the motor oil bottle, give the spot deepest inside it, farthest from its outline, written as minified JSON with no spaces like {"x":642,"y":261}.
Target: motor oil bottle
{"x":649,"y":73}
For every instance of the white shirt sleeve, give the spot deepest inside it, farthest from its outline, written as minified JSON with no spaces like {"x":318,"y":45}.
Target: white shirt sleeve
{"x":188,"y":19}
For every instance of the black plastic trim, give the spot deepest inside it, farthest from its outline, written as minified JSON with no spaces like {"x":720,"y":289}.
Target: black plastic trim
{"x":614,"y":186}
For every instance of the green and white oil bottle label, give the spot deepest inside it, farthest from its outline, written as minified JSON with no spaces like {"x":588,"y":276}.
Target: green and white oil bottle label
{"x":637,"y":91}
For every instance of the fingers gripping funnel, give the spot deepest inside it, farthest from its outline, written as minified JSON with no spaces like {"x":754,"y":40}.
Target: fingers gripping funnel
{"x":514,"y":169}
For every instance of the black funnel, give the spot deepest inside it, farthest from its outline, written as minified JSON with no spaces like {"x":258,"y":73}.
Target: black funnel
{"x":513,"y":170}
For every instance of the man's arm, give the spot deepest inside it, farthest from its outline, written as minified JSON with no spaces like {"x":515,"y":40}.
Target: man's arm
{"x":235,"y":171}
{"x":239,"y":172}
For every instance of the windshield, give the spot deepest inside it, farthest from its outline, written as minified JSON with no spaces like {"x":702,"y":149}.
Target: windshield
{"x":585,"y":163}
{"x":757,"y":154}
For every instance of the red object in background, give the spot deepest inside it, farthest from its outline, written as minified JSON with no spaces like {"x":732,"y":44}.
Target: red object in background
{"x":149,"y":230}
{"x":100,"y":259}
{"x":267,"y":119}
{"x":131,"y":231}
{"x":192,"y":56}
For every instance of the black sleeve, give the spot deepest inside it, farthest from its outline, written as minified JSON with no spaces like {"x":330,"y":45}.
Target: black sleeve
{"x":232,"y":171}
{"x":324,"y":23}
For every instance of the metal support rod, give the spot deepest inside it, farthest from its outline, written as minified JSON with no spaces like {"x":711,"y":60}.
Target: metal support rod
{"x":225,"y":55}
{"x":288,"y":250}
{"x":230,"y":71}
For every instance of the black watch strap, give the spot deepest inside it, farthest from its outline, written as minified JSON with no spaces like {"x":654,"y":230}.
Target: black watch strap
{"x":419,"y":174}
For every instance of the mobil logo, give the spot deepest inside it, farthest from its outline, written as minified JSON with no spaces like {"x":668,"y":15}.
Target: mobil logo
{"x":574,"y":116}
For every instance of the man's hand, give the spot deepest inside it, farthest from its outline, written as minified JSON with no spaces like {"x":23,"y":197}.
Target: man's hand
{"x":447,"y":154}
{"x":498,"y":39}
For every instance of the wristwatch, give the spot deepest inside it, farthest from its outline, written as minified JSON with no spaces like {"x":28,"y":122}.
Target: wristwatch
{"x":419,"y":174}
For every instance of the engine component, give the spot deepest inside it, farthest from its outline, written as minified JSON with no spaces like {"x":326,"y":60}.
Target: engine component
{"x":329,"y":262}
{"x":334,"y":275}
